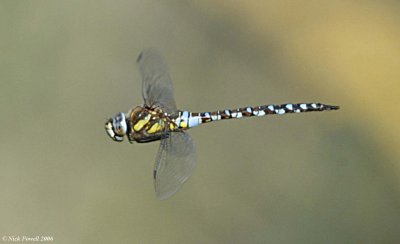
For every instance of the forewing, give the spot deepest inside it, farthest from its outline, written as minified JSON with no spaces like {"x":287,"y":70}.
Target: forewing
{"x":176,"y":160}
{"x":157,"y":89}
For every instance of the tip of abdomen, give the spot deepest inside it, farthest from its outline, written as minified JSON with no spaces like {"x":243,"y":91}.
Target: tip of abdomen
{"x":331,"y":107}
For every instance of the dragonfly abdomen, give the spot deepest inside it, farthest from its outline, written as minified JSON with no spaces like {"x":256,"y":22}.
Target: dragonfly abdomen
{"x":187,"y":119}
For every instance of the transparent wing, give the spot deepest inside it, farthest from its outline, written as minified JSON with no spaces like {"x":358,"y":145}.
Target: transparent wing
{"x":176,"y":160}
{"x":157,"y":89}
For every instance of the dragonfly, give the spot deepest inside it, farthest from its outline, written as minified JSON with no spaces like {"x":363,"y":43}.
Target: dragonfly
{"x":158,"y":119}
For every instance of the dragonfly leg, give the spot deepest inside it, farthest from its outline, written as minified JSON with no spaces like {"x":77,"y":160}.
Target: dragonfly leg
{"x":152,"y":138}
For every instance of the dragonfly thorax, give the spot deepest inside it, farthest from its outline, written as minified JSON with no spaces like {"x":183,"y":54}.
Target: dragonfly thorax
{"x":117,"y":127}
{"x":148,"y":124}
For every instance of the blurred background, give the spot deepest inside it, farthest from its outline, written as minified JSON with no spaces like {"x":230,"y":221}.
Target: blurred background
{"x":332,"y":177}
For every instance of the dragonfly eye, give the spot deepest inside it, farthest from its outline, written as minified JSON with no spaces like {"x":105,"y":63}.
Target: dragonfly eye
{"x":116,"y":127}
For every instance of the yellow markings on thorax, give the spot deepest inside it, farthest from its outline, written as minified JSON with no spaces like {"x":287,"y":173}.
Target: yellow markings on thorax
{"x":172,"y":126}
{"x":141,"y":123}
{"x":157,"y":127}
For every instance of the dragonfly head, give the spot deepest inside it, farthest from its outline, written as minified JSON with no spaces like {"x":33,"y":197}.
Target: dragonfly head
{"x":117,"y":127}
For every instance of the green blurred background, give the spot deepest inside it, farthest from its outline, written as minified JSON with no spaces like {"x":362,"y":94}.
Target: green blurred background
{"x":66,"y":66}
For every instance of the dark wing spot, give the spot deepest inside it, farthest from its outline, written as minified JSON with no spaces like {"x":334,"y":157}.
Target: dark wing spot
{"x":139,"y":57}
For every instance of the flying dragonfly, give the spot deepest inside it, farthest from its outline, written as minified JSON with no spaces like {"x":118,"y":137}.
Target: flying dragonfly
{"x":158,"y":119}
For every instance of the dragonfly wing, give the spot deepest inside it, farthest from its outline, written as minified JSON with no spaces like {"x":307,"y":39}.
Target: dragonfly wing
{"x":176,"y":160}
{"x":157,"y":89}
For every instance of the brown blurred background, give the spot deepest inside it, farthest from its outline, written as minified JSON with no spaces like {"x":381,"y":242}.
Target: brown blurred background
{"x":66,"y":66}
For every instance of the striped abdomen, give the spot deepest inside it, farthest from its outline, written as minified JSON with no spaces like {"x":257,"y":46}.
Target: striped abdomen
{"x":187,"y":119}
